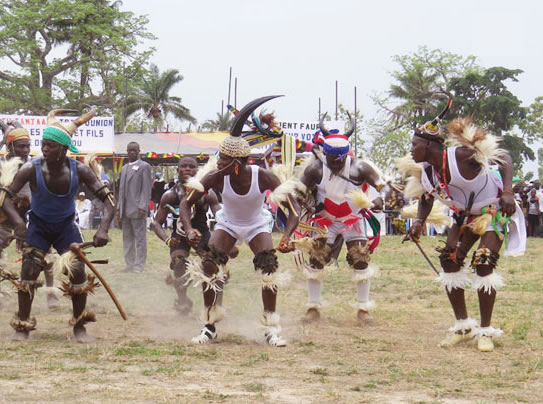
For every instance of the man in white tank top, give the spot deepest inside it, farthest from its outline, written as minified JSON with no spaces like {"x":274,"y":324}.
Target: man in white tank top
{"x":242,"y":188}
{"x":335,"y":176}
{"x":448,"y":176}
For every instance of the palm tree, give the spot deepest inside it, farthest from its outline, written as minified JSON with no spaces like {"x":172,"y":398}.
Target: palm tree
{"x":221,"y":124}
{"x":154,"y":99}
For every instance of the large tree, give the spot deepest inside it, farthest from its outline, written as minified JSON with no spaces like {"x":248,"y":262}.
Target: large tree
{"x":154,"y":99}
{"x":419,"y":84}
{"x":485,"y":96}
{"x":66,"y":53}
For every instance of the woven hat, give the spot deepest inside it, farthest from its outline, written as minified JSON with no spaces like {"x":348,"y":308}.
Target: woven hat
{"x":62,"y":132}
{"x":14,"y":131}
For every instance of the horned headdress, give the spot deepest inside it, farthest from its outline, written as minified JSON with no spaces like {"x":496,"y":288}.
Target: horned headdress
{"x":62,"y":132}
{"x":335,"y":143}
{"x":234,"y":145}
{"x":432,"y":130}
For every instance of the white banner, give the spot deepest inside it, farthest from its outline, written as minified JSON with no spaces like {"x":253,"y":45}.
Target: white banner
{"x":94,"y":136}
{"x":303,"y":130}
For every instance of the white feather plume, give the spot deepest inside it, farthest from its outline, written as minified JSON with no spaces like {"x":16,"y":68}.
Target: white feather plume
{"x":196,"y":181}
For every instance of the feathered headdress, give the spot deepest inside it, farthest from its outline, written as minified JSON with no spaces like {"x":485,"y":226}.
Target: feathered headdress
{"x":463,"y":132}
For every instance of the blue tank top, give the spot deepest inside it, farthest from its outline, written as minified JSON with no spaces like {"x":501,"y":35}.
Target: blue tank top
{"x":50,"y":207}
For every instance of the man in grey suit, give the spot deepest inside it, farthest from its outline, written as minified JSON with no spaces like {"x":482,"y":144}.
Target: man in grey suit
{"x":134,"y":196}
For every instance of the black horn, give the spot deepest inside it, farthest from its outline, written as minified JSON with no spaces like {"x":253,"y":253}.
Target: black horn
{"x":246,"y":112}
{"x":324,"y":131}
{"x":445,"y":110}
{"x":351,"y":130}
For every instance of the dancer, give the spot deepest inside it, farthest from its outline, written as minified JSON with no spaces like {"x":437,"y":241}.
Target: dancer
{"x":342,"y":208}
{"x":177,"y":242}
{"x":483,"y":205}
{"x":54,"y":180}
{"x":242,"y":218}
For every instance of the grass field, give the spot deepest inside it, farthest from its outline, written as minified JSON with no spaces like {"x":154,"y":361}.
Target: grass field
{"x":396,"y":360}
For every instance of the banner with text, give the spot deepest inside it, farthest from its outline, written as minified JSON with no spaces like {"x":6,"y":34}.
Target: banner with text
{"x":303,"y":130}
{"x":94,"y":136}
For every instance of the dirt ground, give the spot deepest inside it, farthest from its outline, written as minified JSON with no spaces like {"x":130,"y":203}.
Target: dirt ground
{"x":395,"y":359}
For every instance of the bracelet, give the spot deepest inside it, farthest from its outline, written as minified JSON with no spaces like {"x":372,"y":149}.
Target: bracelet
{"x":168,"y":240}
{"x":508,"y":191}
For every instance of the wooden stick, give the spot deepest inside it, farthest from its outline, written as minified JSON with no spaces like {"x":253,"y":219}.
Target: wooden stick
{"x":76,"y":248}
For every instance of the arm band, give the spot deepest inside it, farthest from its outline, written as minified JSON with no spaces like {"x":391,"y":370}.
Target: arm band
{"x":3,"y":192}
{"x":102,"y":193}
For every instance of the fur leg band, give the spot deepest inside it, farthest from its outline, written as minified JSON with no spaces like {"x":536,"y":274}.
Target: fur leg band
{"x":358,"y":256}
{"x":454,"y":280}
{"x":20,"y":325}
{"x":318,"y":250}
{"x":266,"y":261}
{"x":70,"y":289}
{"x":213,"y":314}
{"x":451,"y":259}
{"x":275,"y":280}
{"x":494,"y":281}
{"x":84,"y":318}
{"x":195,"y":274}
{"x":486,"y":332}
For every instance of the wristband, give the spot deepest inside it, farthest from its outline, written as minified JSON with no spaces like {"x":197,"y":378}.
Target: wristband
{"x":508,"y":191}
{"x":168,"y":241}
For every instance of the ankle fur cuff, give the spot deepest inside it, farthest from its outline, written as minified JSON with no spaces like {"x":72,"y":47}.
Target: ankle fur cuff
{"x":366,"y":306}
{"x":213,"y":314}
{"x":487,"y":332}
{"x":84,"y":318}
{"x":466,"y":324}
{"x":270,"y":321}
{"x":20,"y":325}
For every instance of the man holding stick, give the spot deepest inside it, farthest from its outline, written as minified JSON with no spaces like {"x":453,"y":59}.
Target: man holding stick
{"x":54,"y":181}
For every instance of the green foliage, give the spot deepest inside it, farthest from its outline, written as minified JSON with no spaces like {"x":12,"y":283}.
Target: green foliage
{"x":540,"y":163}
{"x":388,"y":143}
{"x":421,"y":81}
{"x":68,"y":53}
{"x":154,"y":99}
{"x":485,"y":96}
{"x":221,"y":124}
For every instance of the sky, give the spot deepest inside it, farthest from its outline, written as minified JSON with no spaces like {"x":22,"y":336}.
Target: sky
{"x":299,"y":48}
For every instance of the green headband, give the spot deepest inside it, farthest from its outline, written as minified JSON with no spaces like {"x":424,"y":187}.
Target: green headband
{"x":56,"y":135}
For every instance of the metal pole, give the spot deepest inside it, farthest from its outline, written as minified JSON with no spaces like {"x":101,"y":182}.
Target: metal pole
{"x":236,"y":93}
{"x":229,"y":84}
{"x":355,"y":128}
{"x":336,"y":100}
{"x":319,"y":109}
{"x":222,"y":107}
